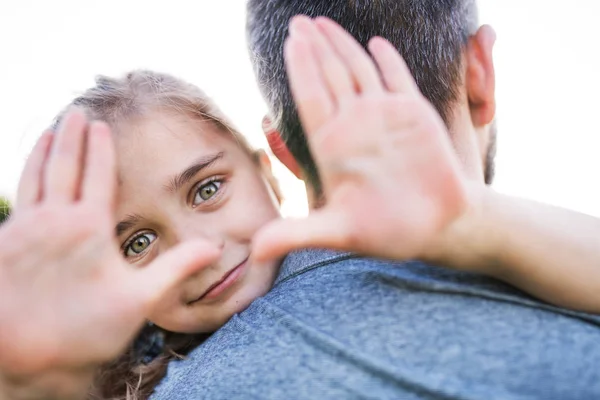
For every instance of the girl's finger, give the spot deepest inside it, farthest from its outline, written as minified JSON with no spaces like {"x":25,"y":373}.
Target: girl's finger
{"x":65,"y":163}
{"x":321,"y":229}
{"x":30,"y":184}
{"x":100,"y":174}
{"x":335,"y":73}
{"x":394,"y":71}
{"x":150,"y":283}
{"x":358,"y":61}
{"x":313,"y":101}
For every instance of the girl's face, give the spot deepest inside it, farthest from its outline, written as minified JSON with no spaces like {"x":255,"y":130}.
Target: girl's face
{"x":180,"y":178}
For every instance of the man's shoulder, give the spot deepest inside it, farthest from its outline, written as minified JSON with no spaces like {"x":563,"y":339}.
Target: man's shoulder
{"x":328,"y":276}
{"x":360,"y":328}
{"x":301,"y":261}
{"x":314,"y":266}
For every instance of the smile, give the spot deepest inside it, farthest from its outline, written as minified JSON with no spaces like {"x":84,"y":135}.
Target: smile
{"x":222,"y":284}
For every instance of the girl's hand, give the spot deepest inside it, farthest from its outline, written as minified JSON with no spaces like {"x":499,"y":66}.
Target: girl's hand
{"x":392,"y":182}
{"x":68,"y":300}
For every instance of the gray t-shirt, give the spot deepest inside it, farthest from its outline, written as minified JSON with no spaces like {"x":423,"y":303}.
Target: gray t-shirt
{"x":336,"y":326}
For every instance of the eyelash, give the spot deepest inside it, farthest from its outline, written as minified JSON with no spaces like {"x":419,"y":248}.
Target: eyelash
{"x":132,"y":239}
{"x":193,"y":193}
{"x":200,"y":185}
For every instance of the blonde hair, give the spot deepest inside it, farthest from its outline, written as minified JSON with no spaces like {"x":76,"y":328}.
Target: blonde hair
{"x":116,"y":101}
{"x":140,"y":92}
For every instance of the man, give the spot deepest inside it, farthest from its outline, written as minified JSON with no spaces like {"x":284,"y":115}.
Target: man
{"x":450,"y":57}
{"x":339,"y":326}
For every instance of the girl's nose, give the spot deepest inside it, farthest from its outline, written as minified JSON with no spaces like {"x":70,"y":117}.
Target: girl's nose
{"x":187,"y":230}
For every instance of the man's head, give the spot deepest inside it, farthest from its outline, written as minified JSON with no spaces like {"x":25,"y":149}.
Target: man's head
{"x":440,"y":41}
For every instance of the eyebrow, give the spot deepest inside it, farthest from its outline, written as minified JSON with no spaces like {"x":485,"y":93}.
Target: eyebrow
{"x":181,"y":179}
{"x":127,"y":223}
{"x":175,"y":184}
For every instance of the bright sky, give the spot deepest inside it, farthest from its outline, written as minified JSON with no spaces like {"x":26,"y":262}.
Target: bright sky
{"x":546,"y":62}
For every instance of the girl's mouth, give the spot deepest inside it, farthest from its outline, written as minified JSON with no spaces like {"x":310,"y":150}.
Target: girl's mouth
{"x":222,"y":284}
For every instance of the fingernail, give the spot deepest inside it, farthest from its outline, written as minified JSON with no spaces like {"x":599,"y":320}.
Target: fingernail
{"x":76,"y":110}
{"x":297,"y":22}
{"x":293,"y":26}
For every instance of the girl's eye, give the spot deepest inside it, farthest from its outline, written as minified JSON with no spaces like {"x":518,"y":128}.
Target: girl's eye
{"x":139,"y":244}
{"x":206,"y":192}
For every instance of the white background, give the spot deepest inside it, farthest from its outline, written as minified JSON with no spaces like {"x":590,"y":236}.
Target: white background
{"x":546,"y":59}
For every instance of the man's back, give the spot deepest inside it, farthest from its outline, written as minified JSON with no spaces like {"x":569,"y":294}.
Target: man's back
{"x":337,"y":326}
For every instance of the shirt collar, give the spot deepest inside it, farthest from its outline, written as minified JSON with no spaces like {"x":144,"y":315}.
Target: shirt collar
{"x":301,"y":261}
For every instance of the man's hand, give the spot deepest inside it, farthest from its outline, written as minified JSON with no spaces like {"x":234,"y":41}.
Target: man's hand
{"x":392,"y":182}
{"x":68,"y":300}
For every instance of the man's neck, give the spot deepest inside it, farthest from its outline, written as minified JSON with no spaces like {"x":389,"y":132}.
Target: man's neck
{"x":466,"y":142}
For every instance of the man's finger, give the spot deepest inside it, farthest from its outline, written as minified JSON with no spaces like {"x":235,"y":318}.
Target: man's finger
{"x":64,"y":167}
{"x":30,"y":184}
{"x":172,"y":268}
{"x":313,"y":101}
{"x":321,"y":229}
{"x":359,"y":62}
{"x":393,"y":68}
{"x":99,"y":178}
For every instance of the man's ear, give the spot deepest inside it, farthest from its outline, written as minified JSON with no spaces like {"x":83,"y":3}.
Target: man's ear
{"x":279,"y":148}
{"x":481,"y":76}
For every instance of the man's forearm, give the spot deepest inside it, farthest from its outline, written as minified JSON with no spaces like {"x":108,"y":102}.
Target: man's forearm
{"x":549,"y":252}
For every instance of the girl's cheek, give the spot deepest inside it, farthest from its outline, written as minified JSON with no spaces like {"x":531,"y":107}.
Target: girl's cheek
{"x":251,"y":221}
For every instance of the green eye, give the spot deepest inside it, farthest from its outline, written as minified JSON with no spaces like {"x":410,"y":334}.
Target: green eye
{"x":206,"y":192}
{"x":139,"y":244}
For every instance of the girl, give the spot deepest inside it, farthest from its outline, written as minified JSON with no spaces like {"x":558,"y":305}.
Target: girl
{"x":184,"y":172}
